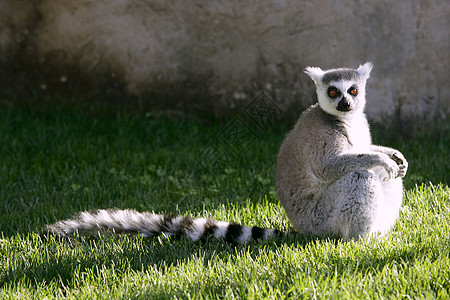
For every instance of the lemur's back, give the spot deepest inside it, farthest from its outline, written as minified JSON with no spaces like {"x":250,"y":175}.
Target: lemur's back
{"x":299,"y":151}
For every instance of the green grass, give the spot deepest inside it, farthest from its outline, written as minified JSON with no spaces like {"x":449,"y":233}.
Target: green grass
{"x":55,"y":164}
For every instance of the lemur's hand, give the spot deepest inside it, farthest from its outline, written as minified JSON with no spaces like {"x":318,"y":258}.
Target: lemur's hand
{"x":389,"y":165}
{"x":401,"y":162}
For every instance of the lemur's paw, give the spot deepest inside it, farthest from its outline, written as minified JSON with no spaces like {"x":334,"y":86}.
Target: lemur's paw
{"x":391,"y":167}
{"x":402,"y":163}
{"x":401,"y":172}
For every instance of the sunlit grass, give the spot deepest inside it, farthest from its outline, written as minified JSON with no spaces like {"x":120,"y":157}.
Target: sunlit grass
{"x":53,"y":165}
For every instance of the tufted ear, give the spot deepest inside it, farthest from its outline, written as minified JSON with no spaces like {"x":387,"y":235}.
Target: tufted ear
{"x":315,"y":73}
{"x":364,"y":70}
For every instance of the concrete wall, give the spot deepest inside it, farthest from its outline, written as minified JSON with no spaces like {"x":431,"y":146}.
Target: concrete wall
{"x":217,"y":55}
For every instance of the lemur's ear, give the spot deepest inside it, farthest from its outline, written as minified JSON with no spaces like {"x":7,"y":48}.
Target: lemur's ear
{"x":315,"y":73}
{"x":364,"y":70}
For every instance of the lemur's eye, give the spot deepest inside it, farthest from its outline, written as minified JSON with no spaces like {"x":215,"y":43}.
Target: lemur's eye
{"x":333,"y":92}
{"x":353,"y":91}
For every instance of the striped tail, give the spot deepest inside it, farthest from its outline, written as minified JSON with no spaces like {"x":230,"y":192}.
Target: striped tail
{"x":149,"y":225}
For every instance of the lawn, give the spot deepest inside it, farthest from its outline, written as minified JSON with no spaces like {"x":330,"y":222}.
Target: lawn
{"x":54,"y":164}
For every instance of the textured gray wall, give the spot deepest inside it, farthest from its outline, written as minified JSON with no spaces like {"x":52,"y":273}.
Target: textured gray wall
{"x":217,"y":55}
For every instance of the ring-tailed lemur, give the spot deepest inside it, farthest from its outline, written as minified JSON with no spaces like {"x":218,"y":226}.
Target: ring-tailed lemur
{"x":330,"y":179}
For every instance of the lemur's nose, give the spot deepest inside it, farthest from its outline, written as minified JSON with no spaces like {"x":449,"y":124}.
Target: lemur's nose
{"x":344,"y":105}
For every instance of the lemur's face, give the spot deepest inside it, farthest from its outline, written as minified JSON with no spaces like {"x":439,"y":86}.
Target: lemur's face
{"x":341,"y":91}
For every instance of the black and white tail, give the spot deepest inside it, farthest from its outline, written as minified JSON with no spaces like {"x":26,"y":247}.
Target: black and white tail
{"x":149,"y":225}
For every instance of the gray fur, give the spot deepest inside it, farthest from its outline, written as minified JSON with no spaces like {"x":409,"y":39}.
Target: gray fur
{"x":330,"y":179}
{"x":339,"y":75}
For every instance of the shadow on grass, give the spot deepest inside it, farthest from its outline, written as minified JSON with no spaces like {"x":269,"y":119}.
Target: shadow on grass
{"x":65,"y":260}
{"x":73,"y":263}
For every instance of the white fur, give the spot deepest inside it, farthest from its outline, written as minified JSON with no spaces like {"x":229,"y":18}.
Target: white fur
{"x":268,"y":233}
{"x":315,"y":73}
{"x":221,"y":230}
{"x":364,"y":70}
{"x":246,"y":235}
{"x":198,"y":227}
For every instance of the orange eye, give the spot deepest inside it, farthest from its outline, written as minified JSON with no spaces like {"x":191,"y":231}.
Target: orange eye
{"x":333,"y":92}
{"x":353,"y":91}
